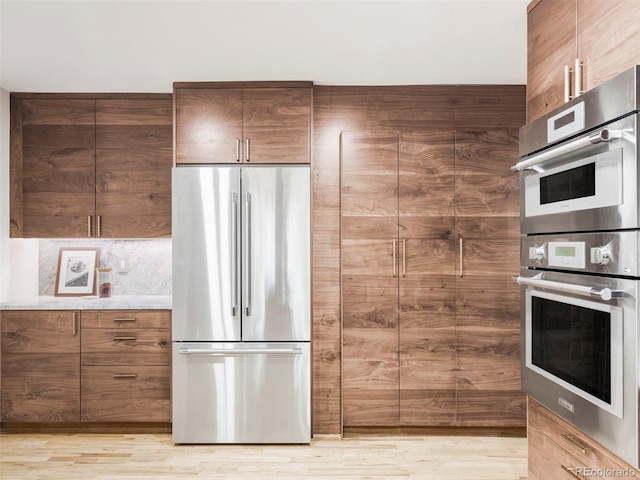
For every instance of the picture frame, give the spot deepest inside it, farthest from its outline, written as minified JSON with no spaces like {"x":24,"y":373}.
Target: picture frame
{"x":76,"y":273}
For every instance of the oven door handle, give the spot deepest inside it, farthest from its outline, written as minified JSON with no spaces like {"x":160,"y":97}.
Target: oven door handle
{"x":605,"y":294}
{"x":604,"y":135}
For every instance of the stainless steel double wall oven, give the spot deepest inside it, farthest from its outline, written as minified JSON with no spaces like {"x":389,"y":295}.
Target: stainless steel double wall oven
{"x":580,"y":272}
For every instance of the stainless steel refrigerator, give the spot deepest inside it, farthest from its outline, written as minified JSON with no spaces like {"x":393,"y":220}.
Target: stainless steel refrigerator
{"x":241,"y":324}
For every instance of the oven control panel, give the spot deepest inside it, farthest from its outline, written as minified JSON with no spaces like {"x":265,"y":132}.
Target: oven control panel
{"x":613,"y":253}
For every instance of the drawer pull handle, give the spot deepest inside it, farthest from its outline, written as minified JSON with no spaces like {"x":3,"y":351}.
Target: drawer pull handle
{"x":125,"y":375}
{"x":122,"y":339}
{"x":124,"y":320}
{"x":568,"y":470}
{"x":575,"y":444}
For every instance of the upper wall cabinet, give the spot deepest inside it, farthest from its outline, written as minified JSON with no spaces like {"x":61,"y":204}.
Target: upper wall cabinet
{"x":575,"y":45}
{"x":89,"y":166}
{"x":243,"y":122}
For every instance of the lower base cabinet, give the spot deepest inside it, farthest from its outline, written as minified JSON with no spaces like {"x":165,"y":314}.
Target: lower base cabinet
{"x":559,"y":451}
{"x":94,"y":366}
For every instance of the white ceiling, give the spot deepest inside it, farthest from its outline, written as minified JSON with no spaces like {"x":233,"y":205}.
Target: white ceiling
{"x":146,"y":45}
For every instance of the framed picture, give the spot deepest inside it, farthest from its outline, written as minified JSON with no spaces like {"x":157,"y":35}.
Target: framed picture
{"x":76,"y":275}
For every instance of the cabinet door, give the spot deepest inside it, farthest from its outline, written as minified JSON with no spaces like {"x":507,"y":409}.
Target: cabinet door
{"x":426,"y":277}
{"x":487,"y":298}
{"x":40,"y":366}
{"x":608,"y":38}
{"x":53,"y":146}
{"x":134,"y":156}
{"x":551,"y":27}
{"x":370,"y":279}
{"x":277,"y":125}
{"x":208,"y":125}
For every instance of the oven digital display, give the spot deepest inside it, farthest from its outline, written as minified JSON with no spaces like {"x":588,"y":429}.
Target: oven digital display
{"x":565,"y":251}
{"x":564,"y":120}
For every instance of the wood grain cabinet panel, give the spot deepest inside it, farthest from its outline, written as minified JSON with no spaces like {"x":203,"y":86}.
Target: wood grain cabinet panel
{"x":126,"y":365}
{"x":551,"y":45}
{"x":601,"y":39}
{"x":126,"y":393}
{"x":556,"y":447}
{"x":52,"y":167}
{"x":443,"y":334}
{"x":40,"y":366}
{"x":487,"y":298}
{"x":134,"y":156}
{"x":85,"y":166}
{"x":237,"y":123}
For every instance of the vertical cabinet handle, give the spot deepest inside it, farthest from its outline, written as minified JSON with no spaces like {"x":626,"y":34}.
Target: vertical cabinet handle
{"x":237,"y":149}
{"x":248,"y":152}
{"x":567,"y":83}
{"x":404,"y":257}
{"x":234,"y":250}
{"x":248,"y":263}
{"x":99,"y":227}
{"x":460,"y":272}
{"x":393,"y":255}
{"x":88,"y":225}
{"x":577,"y":89}
{"x":74,"y":327}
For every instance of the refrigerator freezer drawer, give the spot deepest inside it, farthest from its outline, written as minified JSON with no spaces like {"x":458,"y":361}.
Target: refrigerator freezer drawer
{"x":241,"y":392}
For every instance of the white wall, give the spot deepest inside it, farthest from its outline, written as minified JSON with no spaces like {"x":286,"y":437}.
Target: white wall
{"x":4,"y":194}
{"x":144,"y":46}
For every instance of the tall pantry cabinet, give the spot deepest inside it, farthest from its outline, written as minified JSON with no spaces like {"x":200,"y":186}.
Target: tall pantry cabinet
{"x":430,"y":311}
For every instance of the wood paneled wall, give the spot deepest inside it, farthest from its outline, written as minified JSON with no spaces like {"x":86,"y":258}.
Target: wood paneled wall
{"x":403,"y":108}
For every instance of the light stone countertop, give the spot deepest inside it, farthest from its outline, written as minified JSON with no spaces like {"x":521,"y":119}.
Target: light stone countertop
{"x":116,"y":302}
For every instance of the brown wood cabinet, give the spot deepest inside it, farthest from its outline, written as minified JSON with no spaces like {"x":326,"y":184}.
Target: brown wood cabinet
{"x":558,"y":450}
{"x":90,"y":366}
{"x":126,"y":366}
{"x":243,"y":122}
{"x":427,"y":340}
{"x":40,"y":366}
{"x":594,"y":39}
{"x":88,"y":166}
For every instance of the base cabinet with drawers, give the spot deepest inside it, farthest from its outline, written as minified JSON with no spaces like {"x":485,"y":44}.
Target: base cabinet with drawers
{"x":90,"y":366}
{"x":125,"y":366}
{"x":559,"y":451}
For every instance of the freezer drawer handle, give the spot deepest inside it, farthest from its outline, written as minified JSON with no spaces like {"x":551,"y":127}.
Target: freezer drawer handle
{"x":244,"y":351}
{"x":605,"y":294}
{"x":604,"y":135}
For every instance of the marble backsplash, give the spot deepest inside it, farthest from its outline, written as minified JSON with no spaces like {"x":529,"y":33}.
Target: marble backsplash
{"x":148,"y":263}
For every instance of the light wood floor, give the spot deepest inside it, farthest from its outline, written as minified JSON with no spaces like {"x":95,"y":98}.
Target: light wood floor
{"x":146,"y":456}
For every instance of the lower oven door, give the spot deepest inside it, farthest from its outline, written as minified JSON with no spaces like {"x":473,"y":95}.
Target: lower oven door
{"x":580,"y":351}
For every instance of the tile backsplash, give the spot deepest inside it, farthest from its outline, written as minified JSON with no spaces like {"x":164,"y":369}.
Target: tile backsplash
{"x":148,"y":263}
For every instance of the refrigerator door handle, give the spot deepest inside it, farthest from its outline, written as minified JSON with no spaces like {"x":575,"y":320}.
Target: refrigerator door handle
{"x":234,"y":249}
{"x":247,"y":275}
{"x":218,"y":352}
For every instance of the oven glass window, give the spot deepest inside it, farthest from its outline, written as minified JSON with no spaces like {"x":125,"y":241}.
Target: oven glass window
{"x":574,"y":344}
{"x":574,"y":183}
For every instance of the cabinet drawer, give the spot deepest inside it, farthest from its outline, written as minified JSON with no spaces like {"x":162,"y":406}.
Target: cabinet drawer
{"x":126,"y":394}
{"x":571,"y":448}
{"x":126,"y":319}
{"x":126,"y":347}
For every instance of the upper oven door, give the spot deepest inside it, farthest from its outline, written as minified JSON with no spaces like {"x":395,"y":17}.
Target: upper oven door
{"x":587,"y":183}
